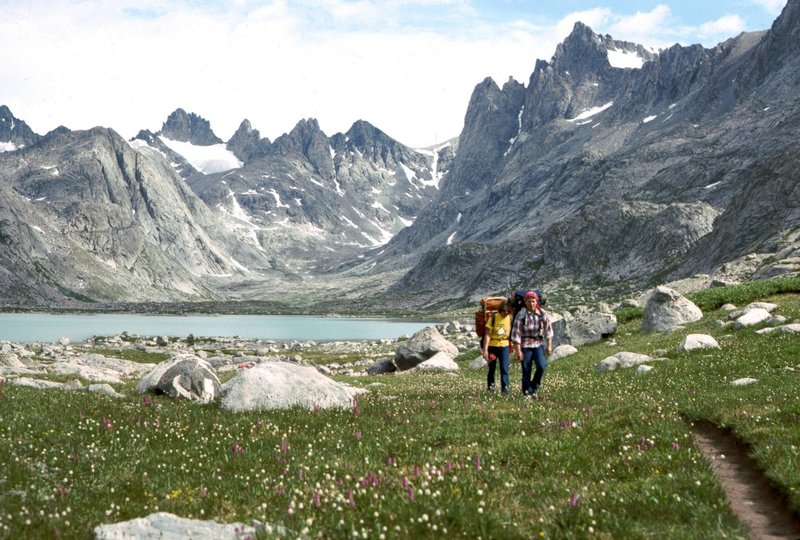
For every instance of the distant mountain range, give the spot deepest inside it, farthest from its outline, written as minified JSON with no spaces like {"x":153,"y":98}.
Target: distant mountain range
{"x":615,"y":167}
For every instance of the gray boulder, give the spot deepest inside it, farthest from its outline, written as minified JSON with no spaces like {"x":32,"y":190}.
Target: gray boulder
{"x":184,"y":375}
{"x":167,"y":526}
{"x":667,"y":310}
{"x":562,"y":351}
{"x":698,"y":341}
{"x":422,"y":345}
{"x":440,"y":361}
{"x":589,"y":327}
{"x":384,"y":365}
{"x":752,"y":316}
{"x":622,"y":360}
{"x":283,"y":385}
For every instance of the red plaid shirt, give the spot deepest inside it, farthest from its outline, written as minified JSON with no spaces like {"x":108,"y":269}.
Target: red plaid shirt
{"x":531,"y":329}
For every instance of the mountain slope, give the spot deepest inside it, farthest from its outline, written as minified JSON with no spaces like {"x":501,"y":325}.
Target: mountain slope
{"x":616,"y":175}
{"x":87,"y":216}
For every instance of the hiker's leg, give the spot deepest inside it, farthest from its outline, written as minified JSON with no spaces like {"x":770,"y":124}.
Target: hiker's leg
{"x":527,"y":361}
{"x":504,"y":359}
{"x":541,"y":366}
{"x":492,"y":367}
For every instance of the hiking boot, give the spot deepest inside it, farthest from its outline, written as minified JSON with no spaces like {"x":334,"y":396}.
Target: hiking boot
{"x":490,"y":388}
{"x":504,"y":391}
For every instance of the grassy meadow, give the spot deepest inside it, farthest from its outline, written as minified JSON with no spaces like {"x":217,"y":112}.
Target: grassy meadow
{"x":426,"y":455}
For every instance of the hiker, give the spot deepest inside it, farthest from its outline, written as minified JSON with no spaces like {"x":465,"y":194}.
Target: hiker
{"x":496,"y":345}
{"x":532,"y":327}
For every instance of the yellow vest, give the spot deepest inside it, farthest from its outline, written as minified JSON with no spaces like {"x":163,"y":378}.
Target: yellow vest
{"x":498,"y":328}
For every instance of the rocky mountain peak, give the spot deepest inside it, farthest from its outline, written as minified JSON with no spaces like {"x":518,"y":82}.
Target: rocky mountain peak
{"x":490,"y":125}
{"x":580,"y":53}
{"x":14,"y":132}
{"x":308,"y":141}
{"x":362,"y":134}
{"x":247,"y":144}
{"x":369,"y":141}
{"x":189,"y":127}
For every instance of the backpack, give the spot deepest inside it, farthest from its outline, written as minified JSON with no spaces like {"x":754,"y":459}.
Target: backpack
{"x":489,"y":306}
{"x":518,"y":299}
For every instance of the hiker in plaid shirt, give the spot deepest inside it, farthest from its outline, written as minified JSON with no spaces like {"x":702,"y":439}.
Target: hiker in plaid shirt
{"x":532,"y":328}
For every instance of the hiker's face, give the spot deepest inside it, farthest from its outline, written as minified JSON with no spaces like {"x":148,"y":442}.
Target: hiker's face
{"x":531,"y":301}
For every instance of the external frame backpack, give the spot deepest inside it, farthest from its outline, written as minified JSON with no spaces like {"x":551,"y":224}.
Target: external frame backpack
{"x":489,"y":306}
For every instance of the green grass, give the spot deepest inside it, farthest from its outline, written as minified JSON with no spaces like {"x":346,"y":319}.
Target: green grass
{"x":424,"y":455}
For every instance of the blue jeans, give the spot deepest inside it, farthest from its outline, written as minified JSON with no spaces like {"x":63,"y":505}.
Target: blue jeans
{"x":502,"y":354}
{"x":531,"y":356}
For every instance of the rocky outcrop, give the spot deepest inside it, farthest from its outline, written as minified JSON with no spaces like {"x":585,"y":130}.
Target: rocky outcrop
{"x":189,"y":127}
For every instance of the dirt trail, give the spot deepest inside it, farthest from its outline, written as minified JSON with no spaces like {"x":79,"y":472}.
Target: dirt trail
{"x":752,"y":497}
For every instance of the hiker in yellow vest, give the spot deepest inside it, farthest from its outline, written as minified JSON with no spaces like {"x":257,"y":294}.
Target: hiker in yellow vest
{"x":496,"y":346}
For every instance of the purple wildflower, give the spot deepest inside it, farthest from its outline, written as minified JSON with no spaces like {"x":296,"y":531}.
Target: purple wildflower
{"x":236,"y":448}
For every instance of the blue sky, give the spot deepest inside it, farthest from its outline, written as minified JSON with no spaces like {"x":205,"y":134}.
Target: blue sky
{"x":406,"y":66}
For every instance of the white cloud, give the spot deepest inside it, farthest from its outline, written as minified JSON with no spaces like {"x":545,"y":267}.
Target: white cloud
{"x":773,"y":7}
{"x":729,"y":25}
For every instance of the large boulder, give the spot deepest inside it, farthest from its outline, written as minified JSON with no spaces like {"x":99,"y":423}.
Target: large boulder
{"x":171,"y":527}
{"x":698,"y":341}
{"x":667,"y":310}
{"x":184,"y":375}
{"x":587,"y":327}
{"x":283,"y":385}
{"x":422,"y":345}
{"x":438,"y":362}
{"x":560,"y":329}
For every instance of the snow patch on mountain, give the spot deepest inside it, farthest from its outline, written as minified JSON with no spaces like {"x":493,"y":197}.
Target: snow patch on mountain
{"x":624,"y":59}
{"x":588,"y":113}
{"x":207,"y":159}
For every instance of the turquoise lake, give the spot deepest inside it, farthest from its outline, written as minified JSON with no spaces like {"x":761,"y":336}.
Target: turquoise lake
{"x":44,"y":327}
